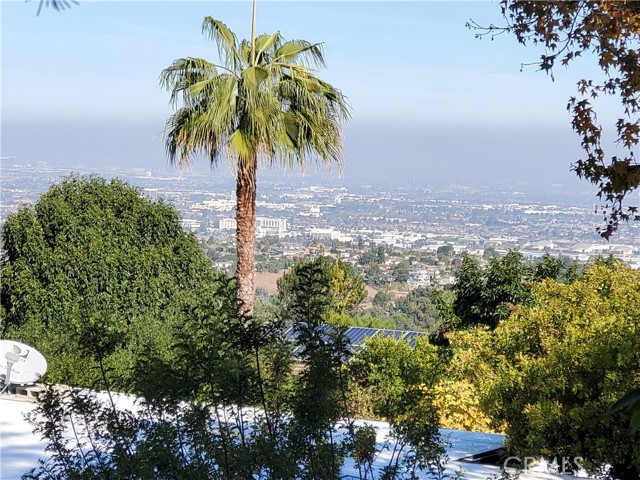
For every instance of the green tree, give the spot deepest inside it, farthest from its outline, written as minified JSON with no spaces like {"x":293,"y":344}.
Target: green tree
{"x":401,"y":272}
{"x":505,"y":286}
{"x":469,"y":288}
{"x":445,"y":251}
{"x":95,"y":274}
{"x":318,"y":398}
{"x":374,"y":275}
{"x":384,"y":299}
{"x":609,"y":33}
{"x":489,"y":253}
{"x":397,"y":380}
{"x":561,"y":269}
{"x":547,"y":267}
{"x":263,"y":103}
{"x":420,"y":306}
{"x":268,"y":243}
{"x":320,"y":289}
{"x":552,"y":370}
{"x":368,"y":258}
{"x":485,"y":296}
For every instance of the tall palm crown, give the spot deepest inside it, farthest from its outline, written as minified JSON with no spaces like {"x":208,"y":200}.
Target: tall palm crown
{"x":262,"y":103}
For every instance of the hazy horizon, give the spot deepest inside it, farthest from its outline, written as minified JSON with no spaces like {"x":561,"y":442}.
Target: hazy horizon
{"x":372,"y":150}
{"x":431,"y":103}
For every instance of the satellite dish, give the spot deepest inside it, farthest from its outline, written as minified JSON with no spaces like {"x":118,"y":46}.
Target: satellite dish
{"x":20,"y":364}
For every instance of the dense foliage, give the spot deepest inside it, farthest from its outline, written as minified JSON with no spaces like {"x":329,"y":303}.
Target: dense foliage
{"x":485,"y":295}
{"x":230,"y":405}
{"x":116,"y":294}
{"x":94,"y":275}
{"x":551,"y":371}
{"x":323,"y":289}
{"x":394,"y":382}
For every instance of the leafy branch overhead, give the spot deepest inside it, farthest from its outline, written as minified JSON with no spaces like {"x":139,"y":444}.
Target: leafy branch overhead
{"x":610,"y":31}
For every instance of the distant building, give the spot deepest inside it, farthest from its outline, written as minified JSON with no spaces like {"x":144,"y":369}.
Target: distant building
{"x":624,"y":250}
{"x":446,"y":280}
{"x":314,"y":211}
{"x":543,"y":245}
{"x":227,"y":224}
{"x":266,"y":226}
{"x":423,"y":277}
{"x":329,"y":234}
{"x":191,"y":225}
{"x":219,"y":205}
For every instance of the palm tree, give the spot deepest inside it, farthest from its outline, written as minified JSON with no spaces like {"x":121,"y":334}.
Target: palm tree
{"x":262,"y":104}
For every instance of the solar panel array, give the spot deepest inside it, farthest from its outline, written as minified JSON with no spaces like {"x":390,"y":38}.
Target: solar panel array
{"x":357,"y":336}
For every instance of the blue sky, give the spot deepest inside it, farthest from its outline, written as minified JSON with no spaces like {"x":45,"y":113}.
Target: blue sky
{"x":428,"y":98}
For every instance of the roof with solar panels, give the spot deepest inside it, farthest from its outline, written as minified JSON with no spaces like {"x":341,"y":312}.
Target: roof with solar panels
{"x":357,"y":336}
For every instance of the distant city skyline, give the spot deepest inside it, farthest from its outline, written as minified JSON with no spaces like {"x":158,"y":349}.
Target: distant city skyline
{"x":429,"y":100}
{"x":527,"y":213}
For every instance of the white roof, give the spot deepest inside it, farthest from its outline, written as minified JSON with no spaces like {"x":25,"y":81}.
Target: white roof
{"x":20,"y":449}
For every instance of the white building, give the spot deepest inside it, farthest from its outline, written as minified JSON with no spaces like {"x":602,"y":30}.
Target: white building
{"x":219,"y":205}
{"x":423,"y":277}
{"x":266,"y":226}
{"x":227,"y":224}
{"x":191,"y":224}
{"x":329,"y":234}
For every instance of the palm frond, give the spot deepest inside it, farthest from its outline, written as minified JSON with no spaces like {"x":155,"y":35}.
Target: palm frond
{"x":241,"y":146}
{"x":253,"y":77}
{"x":225,"y":40}
{"x":220,"y":103}
{"x":288,"y":52}
{"x":57,"y":5}
{"x":245,"y":52}
{"x":266,"y":42}
{"x":187,"y":136}
{"x":181,"y":76}
{"x":273,"y":110}
{"x":301,"y":52}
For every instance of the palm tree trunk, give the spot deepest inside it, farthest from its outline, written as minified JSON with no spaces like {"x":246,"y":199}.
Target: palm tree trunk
{"x":246,"y":233}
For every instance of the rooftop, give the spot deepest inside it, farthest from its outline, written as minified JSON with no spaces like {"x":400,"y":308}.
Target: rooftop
{"x":20,"y":449}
